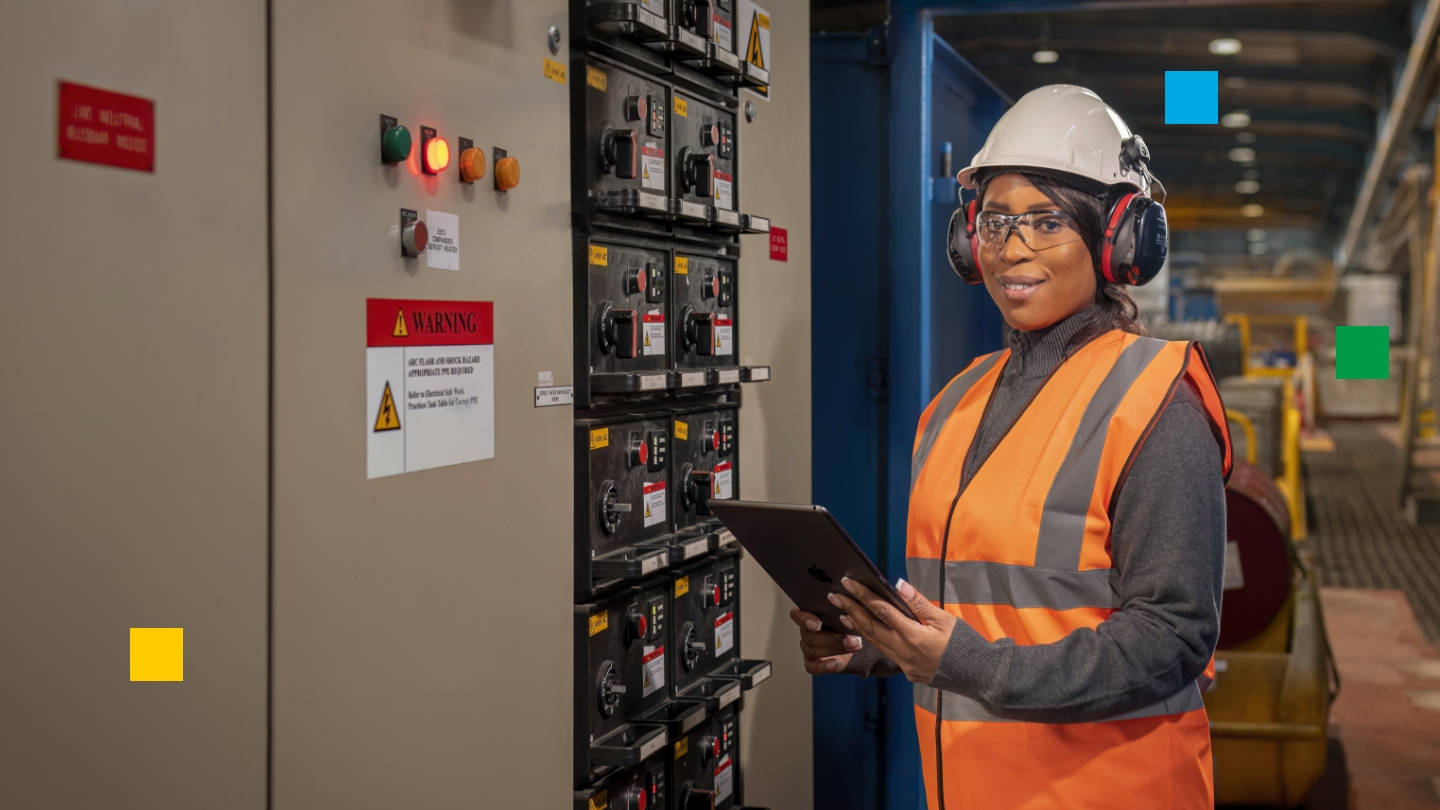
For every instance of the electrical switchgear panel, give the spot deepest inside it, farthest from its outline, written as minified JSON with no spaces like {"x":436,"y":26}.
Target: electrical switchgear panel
{"x":704,"y":766}
{"x":623,"y":317}
{"x":705,"y":625}
{"x":643,"y":787}
{"x":641,"y":21}
{"x":624,"y":121}
{"x":714,"y":22}
{"x":620,"y":673}
{"x":621,"y":498}
{"x":703,"y":464}
{"x":702,"y":142}
{"x":705,"y":334}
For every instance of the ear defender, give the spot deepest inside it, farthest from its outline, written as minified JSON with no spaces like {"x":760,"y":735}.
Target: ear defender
{"x":960,"y":244}
{"x":1136,"y":241}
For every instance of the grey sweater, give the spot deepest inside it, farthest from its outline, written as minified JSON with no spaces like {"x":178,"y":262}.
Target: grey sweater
{"x":1168,"y":542}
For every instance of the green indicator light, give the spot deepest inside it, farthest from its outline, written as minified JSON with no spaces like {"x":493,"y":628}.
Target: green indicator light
{"x":1362,"y":352}
{"x":395,"y":145}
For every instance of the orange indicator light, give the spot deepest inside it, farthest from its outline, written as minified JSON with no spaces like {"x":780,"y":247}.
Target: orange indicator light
{"x":436,"y":155}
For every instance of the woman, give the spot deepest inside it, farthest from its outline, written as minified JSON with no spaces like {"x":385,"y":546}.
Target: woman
{"x":1066,"y":532}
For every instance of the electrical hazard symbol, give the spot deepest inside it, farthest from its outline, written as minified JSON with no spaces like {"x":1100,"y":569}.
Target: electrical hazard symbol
{"x":755,"y":52}
{"x":387,"y":418}
{"x":400,"y":330}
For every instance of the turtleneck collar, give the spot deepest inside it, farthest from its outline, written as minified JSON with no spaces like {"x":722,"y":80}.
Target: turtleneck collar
{"x":1036,"y":353}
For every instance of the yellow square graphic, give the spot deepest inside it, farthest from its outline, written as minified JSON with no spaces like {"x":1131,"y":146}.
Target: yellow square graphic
{"x":157,"y":653}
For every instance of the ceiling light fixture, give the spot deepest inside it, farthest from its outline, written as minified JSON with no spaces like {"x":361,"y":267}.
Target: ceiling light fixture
{"x":1242,"y":154}
{"x":1225,"y":46}
{"x":1045,"y":57}
{"x":1248,"y":187}
{"x":1252,"y":210}
{"x":1237,"y":119}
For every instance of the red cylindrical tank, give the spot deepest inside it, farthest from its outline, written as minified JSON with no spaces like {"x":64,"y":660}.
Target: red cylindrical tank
{"x":1258,"y":566}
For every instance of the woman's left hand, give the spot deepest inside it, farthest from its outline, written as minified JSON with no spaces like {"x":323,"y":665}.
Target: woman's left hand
{"x":913,"y":646}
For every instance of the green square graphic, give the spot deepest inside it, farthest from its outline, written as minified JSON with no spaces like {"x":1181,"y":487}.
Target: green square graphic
{"x":1362,"y":352}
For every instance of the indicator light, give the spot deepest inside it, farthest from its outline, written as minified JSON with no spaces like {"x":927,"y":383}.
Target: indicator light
{"x":472,"y":165}
{"x":395,"y":144}
{"x":434,"y":151}
{"x":507,"y":173}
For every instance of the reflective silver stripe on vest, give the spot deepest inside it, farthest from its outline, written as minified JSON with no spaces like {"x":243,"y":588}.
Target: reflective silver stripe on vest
{"x":1062,"y":524}
{"x":974,"y":582}
{"x":961,"y":708}
{"x":948,"y":402}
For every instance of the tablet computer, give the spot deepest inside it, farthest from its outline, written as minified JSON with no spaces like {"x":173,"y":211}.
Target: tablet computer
{"x":805,"y":550}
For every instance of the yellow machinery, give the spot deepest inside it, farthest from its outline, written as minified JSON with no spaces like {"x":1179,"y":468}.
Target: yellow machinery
{"x":1270,"y":703}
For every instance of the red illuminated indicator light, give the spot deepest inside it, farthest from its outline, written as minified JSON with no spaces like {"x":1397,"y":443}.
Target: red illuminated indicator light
{"x":436,"y":155}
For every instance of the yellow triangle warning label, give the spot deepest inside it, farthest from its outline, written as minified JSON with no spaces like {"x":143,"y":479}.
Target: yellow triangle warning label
{"x":753,"y":53}
{"x":400,"y":330}
{"x":647,"y":508}
{"x":647,"y":337}
{"x":387,"y":418}
{"x":645,"y":173}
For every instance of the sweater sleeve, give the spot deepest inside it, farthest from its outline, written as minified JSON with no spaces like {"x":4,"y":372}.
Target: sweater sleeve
{"x":869,"y":662}
{"x":1168,"y":540}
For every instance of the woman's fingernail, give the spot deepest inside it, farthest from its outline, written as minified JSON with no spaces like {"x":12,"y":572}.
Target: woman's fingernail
{"x":848,"y":583}
{"x":832,"y":665}
{"x":906,"y":589}
{"x":852,"y":642}
{"x":813,"y":626}
{"x":845,"y":620}
{"x":834,"y":600}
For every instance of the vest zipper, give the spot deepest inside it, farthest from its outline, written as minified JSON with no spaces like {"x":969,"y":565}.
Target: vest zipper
{"x":945,"y":538}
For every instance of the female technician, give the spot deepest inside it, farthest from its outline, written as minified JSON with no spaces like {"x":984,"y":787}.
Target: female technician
{"x":1066,"y":531}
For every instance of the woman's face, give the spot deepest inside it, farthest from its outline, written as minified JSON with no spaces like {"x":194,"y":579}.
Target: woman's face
{"x":1034,"y":285}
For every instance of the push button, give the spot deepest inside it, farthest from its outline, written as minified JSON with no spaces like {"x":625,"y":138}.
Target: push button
{"x":710,"y":136}
{"x":639,"y":451}
{"x":394,"y":144}
{"x":636,"y":281}
{"x":711,"y":287}
{"x":637,"y":108}
{"x":639,"y":626}
{"x":472,"y":165}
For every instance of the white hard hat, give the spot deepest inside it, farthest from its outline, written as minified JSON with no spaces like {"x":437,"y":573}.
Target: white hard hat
{"x":1065,"y":128}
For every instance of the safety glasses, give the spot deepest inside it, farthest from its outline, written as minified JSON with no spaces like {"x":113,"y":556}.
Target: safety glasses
{"x":1039,"y":230}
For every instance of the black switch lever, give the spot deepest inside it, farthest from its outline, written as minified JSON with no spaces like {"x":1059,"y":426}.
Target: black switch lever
{"x":618,"y":331}
{"x":699,"y":16}
{"x":620,"y":152}
{"x":701,"y":484}
{"x":697,"y":173}
{"x":700,"y":332}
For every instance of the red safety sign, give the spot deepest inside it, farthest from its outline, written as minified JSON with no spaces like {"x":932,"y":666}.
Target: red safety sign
{"x":396,"y":322}
{"x":779,"y":245}
{"x":98,"y":126}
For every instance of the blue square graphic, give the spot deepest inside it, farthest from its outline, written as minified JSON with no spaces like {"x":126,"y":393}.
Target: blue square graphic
{"x":1192,"y":97}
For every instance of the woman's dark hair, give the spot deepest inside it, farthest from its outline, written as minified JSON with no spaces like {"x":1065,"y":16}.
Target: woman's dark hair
{"x":1088,"y":208}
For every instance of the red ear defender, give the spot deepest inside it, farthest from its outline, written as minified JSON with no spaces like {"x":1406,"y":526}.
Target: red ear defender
{"x":960,"y":244}
{"x":1136,"y":241}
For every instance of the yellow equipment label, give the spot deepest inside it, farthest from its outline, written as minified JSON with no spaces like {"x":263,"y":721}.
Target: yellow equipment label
{"x":599,"y":622}
{"x":600,"y":801}
{"x":682,"y":586}
{"x":596,"y":78}
{"x":599,"y":437}
{"x":599,"y":255}
{"x":682,"y":266}
{"x":681,"y":107}
{"x":554,"y":70}
{"x":682,"y":747}
{"x":764,"y":20}
{"x":682,"y":431}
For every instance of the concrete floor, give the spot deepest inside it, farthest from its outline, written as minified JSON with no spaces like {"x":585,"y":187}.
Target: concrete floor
{"x":1388,"y":713}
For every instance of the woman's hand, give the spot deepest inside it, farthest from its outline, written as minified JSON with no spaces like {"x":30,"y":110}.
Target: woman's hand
{"x":824,"y":652}
{"x":914,"y":647}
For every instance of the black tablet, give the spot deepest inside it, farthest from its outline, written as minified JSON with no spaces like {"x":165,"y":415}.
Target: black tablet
{"x":804,"y":549}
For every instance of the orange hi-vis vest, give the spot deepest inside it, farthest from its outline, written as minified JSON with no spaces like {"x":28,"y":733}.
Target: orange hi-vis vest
{"x":1022,"y":551}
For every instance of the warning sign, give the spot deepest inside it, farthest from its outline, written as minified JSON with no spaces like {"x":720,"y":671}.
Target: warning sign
{"x":387,"y":419}
{"x":652,"y":666}
{"x":430,"y":379}
{"x":724,"y":482}
{"x":652,"y":163}
{"x":754,"y":23}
